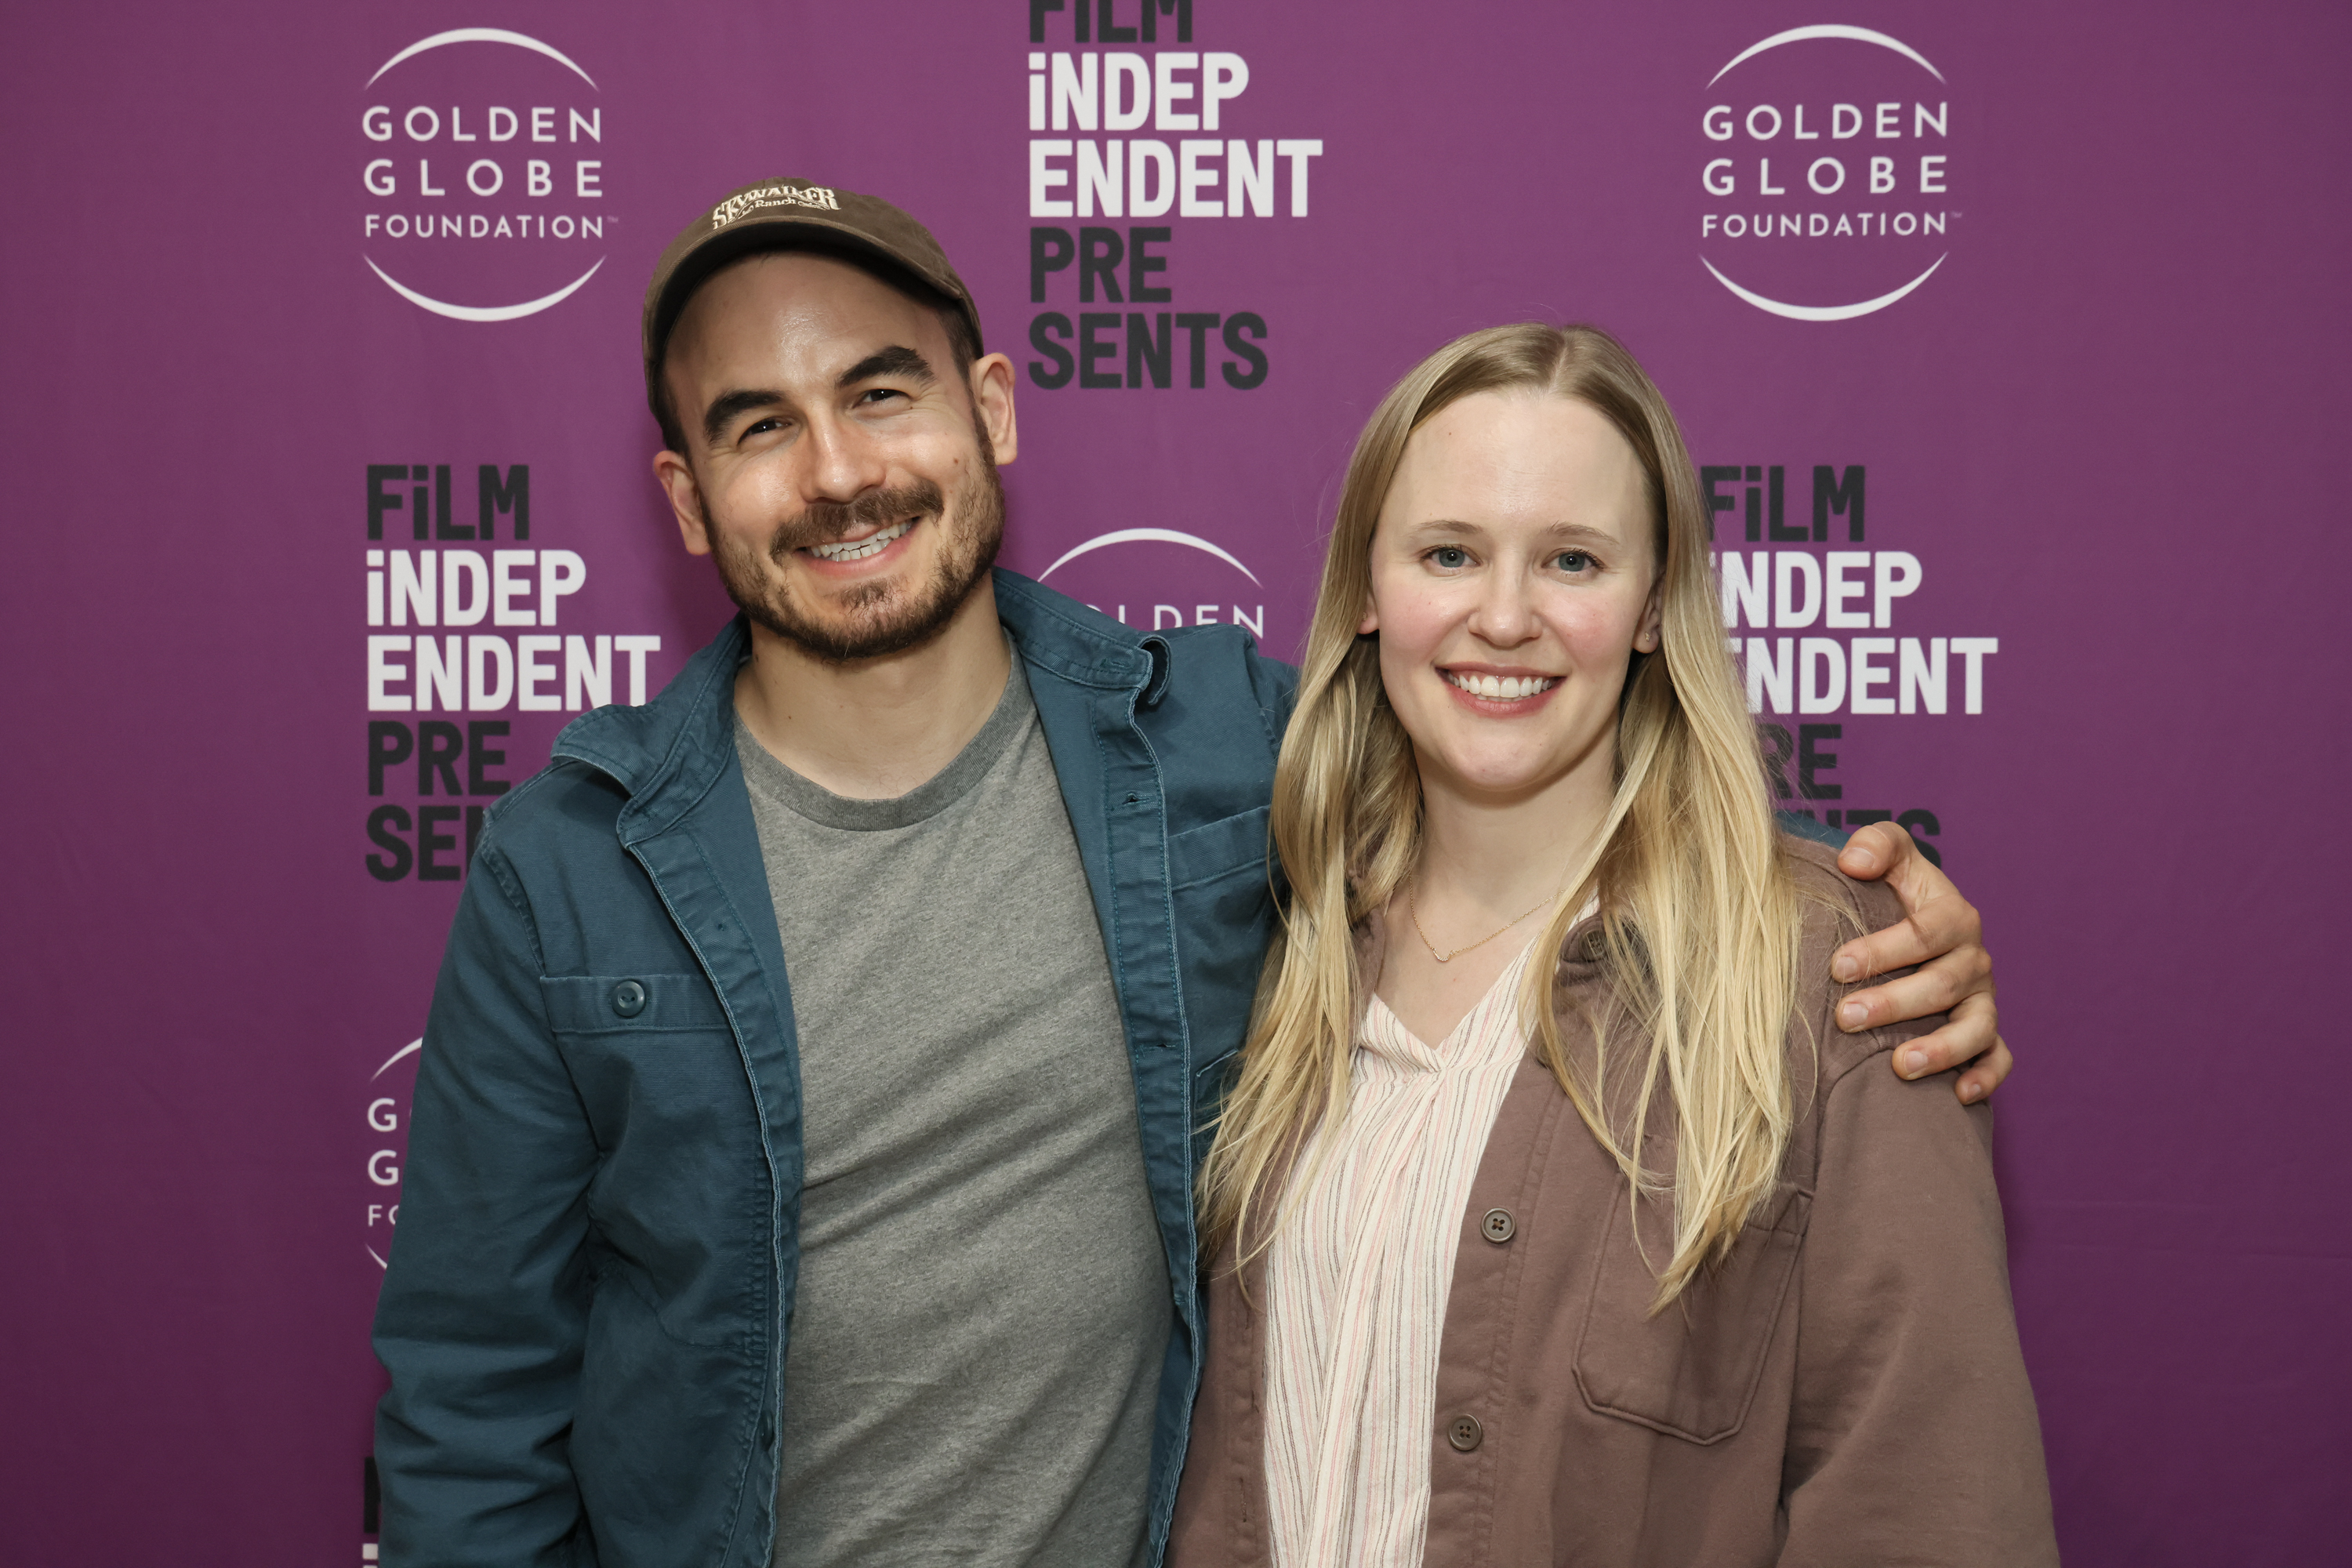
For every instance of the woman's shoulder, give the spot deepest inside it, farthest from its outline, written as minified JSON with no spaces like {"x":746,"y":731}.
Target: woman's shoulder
{"x":1831,"y":900}
{"x":1832,"y":909}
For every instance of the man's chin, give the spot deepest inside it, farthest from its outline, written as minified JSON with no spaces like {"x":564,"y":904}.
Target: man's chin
{"x":852,"y":632}
{"x":857,"y":640}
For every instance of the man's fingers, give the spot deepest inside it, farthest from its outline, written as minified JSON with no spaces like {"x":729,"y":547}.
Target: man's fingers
{"x":1872,"y":850}
{"x":1942,"y":935}
{"x":1881,"y":849}
{"x":1899,"y":946}
{"x":1940,"y":987}
{"x":1985,"y":1077}
{"x":1937,"y":920}
{"x":1972,"y":1030}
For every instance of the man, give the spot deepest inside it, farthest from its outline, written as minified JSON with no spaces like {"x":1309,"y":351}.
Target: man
{"x":801,"y":1168}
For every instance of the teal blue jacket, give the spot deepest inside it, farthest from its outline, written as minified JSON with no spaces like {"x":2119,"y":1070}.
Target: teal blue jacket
{"x":585,"y":1312}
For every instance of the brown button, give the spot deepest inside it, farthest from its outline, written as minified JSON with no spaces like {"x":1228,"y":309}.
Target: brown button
{"x":1465,"y":1434}
{"x":1594,"y":946}
{"x":1498,"y":1226}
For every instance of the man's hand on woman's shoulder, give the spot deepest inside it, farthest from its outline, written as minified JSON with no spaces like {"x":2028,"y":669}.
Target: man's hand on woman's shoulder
{"x":1940,"y":932}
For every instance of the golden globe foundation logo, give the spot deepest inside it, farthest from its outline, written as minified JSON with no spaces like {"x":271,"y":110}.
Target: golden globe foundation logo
{"x":1827,"y":174}
{"x":391,"y":1090}
{"x":1155,"y":579}
{"x":482,"y":176}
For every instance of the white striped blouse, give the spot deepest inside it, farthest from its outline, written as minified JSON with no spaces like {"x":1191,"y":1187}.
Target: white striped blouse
{"x":1357,"y":1282}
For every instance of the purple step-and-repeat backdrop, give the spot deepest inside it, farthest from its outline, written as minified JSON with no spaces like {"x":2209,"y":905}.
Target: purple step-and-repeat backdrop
{"x":2013,"y":342}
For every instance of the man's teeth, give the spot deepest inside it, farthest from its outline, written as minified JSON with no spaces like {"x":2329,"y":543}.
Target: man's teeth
{"x":872,"y":544}
{"x":1503,"y":688}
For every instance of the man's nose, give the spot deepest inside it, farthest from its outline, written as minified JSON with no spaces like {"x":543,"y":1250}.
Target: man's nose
{"x":845,"y":461}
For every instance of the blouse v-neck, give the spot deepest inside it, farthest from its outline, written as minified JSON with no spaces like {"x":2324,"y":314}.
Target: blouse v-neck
{"x":1358,"y":1279}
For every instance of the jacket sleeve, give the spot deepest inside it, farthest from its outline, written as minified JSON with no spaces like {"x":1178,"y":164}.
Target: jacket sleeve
{"x":485,"y":1303}
{"x":1912,"y":1433}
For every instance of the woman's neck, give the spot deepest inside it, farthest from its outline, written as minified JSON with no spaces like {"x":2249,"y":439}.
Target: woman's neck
{"x":1486,"y":856}
{"x":1488,"y":864}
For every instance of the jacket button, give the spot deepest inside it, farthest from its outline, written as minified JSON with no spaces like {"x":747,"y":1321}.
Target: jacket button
{"x":1498,"y":1226}
{"x":1465,"y":1434}
{"x":628,"y":998}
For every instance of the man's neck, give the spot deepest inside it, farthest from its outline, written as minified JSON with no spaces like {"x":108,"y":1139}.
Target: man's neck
{"x":875,"y":729}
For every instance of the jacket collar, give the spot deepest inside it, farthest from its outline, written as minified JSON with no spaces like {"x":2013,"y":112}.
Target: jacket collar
{"x":668,"y":754}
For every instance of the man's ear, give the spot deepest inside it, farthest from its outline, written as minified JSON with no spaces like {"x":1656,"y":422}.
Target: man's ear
{"x":677,"y":482}
{"x":991,"y":404}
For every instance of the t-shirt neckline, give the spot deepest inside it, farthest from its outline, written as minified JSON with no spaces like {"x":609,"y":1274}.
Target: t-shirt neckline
{"x":805,"y":797}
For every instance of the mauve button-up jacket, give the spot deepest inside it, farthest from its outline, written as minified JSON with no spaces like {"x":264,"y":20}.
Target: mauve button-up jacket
{"x":1847,"y":1388}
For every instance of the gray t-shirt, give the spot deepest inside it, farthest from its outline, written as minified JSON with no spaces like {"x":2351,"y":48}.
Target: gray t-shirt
{"x":984,"y":1303}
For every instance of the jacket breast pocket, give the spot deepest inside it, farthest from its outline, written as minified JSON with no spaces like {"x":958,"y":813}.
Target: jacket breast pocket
{"x":631,"y":1004}
{"x":1219,"y":883}
{"x":664,"y":1086}
{"x":1691,"y":1371}
{"x":649,"y":1052}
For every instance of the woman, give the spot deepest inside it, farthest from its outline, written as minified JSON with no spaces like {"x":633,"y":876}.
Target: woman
{"x":1554,"y":1221}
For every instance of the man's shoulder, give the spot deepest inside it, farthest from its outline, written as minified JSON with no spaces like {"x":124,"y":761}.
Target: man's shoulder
{"x":566,"y":808}
{"x":1835,"y":908}
{"x":664,"y":753}
{"x":1226,"y":659}
{"x":1184,"y":670}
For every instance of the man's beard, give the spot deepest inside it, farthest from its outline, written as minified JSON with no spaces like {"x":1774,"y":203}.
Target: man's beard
{"x":879,"y":619}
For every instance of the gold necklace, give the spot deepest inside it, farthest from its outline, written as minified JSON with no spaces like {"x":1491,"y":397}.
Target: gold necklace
{"x":1413,"y":911}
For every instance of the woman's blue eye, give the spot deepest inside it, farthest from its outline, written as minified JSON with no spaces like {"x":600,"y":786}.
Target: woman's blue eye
{"x":1572,"y":559}
{"x":1450,"y":556}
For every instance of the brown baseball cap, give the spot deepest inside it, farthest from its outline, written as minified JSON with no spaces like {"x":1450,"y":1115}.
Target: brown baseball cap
{"x":793,"y":215}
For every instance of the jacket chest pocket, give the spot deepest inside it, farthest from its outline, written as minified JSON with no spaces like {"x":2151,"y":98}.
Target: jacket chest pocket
{"x":1690,"y":1372}
{"x":663,"y":1084}
{"x":1219,"y":883}
{"x":651,"y":1054}
{"x":634,"y":1041}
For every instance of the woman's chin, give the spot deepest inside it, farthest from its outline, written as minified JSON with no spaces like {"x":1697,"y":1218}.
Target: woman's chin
{"x":1507,"y":777}
{"x":1503,"y":772}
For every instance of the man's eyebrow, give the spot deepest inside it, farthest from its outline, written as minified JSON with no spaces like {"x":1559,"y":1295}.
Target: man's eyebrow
{"x":894,"y":361}
{"x":728,"y":406}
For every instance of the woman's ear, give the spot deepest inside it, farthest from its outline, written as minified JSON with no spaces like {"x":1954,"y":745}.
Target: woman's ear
{"x":1370,"y":622}
{"x":1646,"y":639}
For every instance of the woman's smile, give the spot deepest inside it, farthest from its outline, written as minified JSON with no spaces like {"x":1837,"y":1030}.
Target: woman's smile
{"x":1504,"y":695}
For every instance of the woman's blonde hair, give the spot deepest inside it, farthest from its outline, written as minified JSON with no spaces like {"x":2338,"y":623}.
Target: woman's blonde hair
{"x":1699,"y":912}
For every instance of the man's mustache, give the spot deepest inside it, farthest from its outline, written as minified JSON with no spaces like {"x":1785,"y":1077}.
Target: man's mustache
{"x":825,"y":522}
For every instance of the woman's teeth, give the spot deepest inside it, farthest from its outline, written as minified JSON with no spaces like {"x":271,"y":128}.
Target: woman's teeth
{"x":872,"y":544}
{"x":1503,"y":688}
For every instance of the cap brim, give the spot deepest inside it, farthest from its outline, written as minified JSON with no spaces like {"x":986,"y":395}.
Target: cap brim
{"x":794,"y":233}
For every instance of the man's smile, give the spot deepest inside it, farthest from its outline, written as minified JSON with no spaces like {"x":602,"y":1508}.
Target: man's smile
{"x":872,"y":544}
